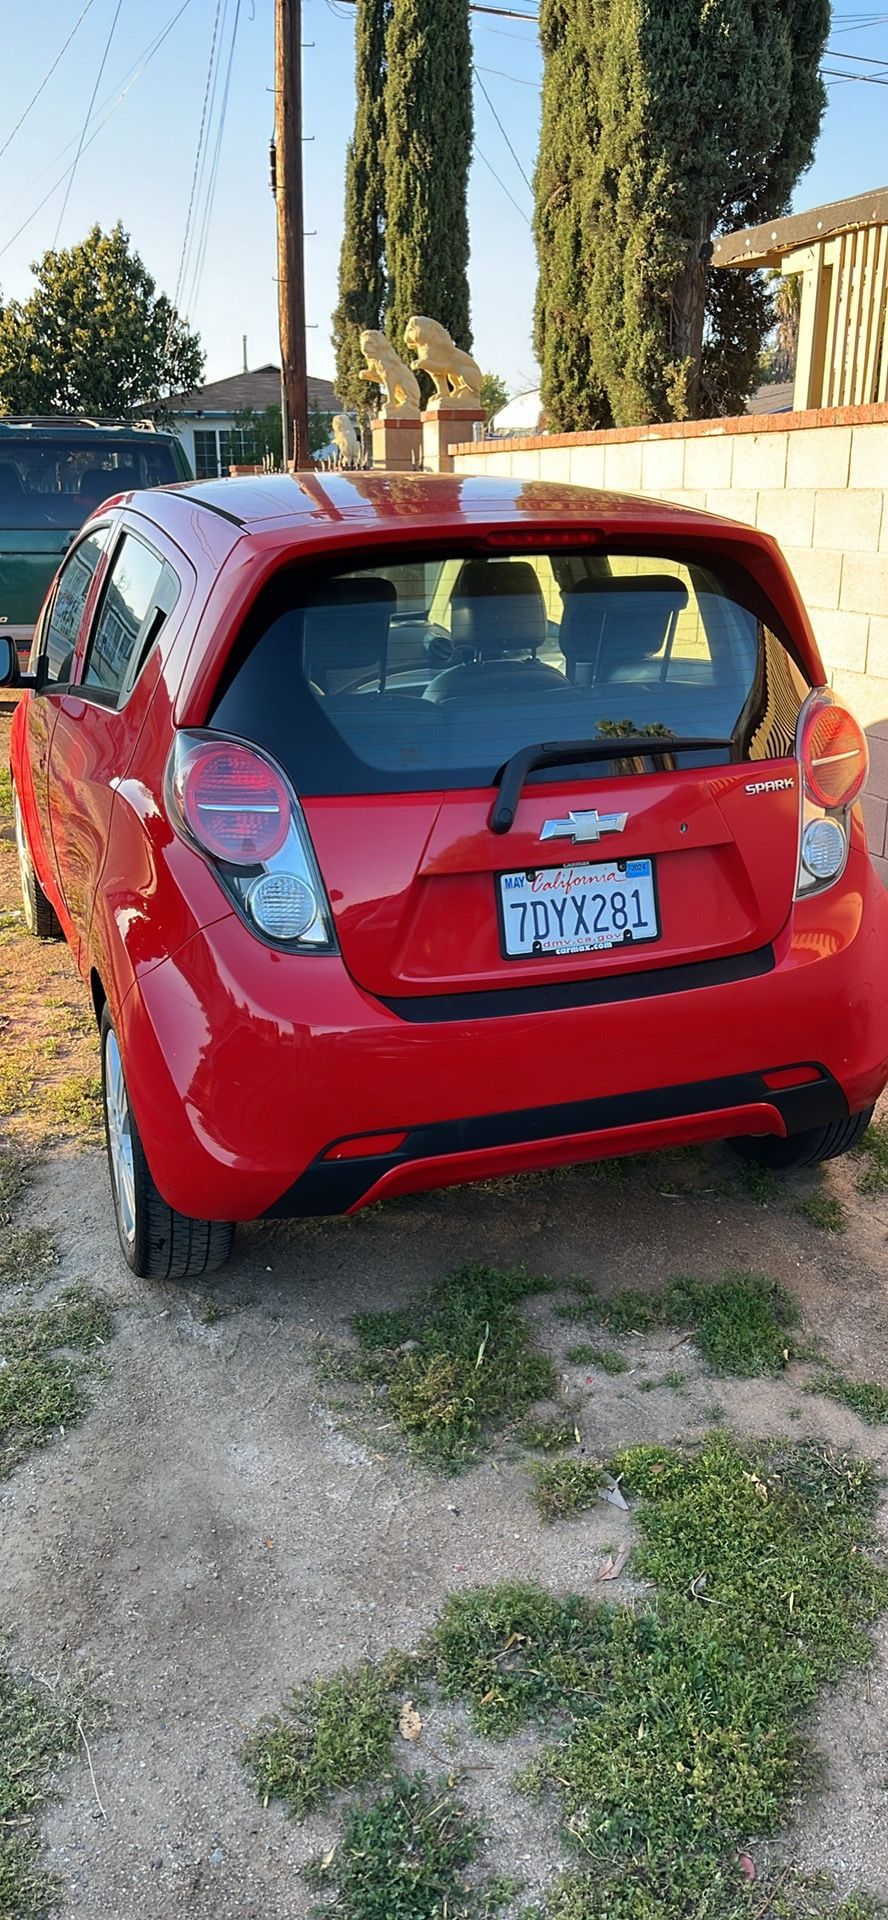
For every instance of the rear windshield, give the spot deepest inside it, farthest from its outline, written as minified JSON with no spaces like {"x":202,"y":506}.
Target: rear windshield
{"x":425,"y":674}
{"x":49,"y":482}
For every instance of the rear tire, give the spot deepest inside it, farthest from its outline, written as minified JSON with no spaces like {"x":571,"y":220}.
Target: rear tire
{"x":157,"y":1242}
{"x":41,"y":919}
{"x":804,"y":1149}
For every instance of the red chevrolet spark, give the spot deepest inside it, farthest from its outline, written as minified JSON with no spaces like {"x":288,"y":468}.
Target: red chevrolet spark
{"x":411,"y":830}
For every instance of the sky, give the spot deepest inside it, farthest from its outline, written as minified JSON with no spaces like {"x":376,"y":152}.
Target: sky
{"x":140,"y":138}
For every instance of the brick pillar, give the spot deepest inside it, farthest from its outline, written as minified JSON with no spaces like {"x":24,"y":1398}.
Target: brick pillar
{"x":443,"y":428}
{"x":397,"y":442}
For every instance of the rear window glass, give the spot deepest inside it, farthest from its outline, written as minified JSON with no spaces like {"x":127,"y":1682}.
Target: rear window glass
{"x":426,"y":674}
{"x":49,"y":482}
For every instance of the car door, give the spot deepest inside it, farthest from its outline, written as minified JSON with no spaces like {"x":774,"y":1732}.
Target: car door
{"x":102,"y":712}
{"x":52,"y":657}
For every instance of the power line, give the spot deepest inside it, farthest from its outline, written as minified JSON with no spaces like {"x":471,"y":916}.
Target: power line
{"x":47,"y":76}
{"x":197,"y":158}
{"x":214,"y":168}
{"x":501,"y":183}
{"x":502,"y":129}
{"x":198,"y":188}
{"x":87,"y":120}
{"x":865,"y":79}
{"x":500,"y":75}
{"x":133,"y":74}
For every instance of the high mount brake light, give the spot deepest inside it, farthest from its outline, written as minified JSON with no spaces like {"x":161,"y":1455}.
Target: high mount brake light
{"x":234,"y":804}
{"x":834,"y":755}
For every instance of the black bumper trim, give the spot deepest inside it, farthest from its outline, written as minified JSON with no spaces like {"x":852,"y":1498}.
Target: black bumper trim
{"x":333,"y":1186}
{"x":496,"y":1003}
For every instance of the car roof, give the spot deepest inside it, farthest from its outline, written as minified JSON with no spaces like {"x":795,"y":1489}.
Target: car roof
{"x":302,"y":506}
{"x":74,"y":427}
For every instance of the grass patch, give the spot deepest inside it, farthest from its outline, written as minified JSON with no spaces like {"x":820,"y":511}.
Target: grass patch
{"x":606,"y":1358}
{"x":37,"y":1727}
{"x":864,"y":1398}
{"x":406,"y":1858}
{"x":335,"y":1734}
{"x":26,"y":1255}
{"x":873,"y":1152}
{"x":515,"y":1654}
{"x":74,"y":1104}
{"x":5,"y":793}
{"x":461,"y":1363}
{"x":790,"y":1896}
{"x":566,"y":1487}
{"x":15,"y":1170}
{"x":824,"y":1211}
{"x":18,"y":1078}
{"x":742,"y":1324}
{"x":46,"y":1355}
{"x":761,"y":1183}
{"x":547,"y":1435}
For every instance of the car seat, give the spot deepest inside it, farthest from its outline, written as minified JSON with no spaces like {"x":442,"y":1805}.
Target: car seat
{"x":497,"y":618}
{"x":620,"y":629}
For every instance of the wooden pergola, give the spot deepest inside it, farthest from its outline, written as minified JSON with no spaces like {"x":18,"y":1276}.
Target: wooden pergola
{"x":841,"y":251}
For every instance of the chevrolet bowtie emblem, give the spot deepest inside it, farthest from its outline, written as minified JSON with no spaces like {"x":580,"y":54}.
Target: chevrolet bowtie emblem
{"x":584,"y":826}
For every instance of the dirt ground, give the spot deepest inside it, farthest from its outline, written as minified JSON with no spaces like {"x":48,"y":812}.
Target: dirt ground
{"x":215,"y":1531}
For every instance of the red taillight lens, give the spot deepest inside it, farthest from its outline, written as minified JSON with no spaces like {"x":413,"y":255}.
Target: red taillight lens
{"x":235,"y":805}
{"x":835,"y":757}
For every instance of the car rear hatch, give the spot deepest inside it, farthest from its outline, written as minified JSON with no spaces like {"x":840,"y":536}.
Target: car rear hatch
{"x":530,"y":769}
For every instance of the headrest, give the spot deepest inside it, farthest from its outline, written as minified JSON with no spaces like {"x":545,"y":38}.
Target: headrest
{"x":99,"y":483}
{"x":347,"y":626}
{"x":621,"y":621}
{"x":497,"y":607}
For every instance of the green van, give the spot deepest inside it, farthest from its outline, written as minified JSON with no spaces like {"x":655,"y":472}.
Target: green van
{"x":53,"y":473}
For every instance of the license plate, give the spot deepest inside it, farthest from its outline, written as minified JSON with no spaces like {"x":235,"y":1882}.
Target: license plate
{"x":578,"y":909}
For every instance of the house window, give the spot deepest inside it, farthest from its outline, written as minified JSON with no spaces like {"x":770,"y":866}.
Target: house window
{"x":206,"y":454}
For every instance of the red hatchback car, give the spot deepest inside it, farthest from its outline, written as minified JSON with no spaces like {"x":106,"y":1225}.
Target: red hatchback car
{"x":412,"y":830}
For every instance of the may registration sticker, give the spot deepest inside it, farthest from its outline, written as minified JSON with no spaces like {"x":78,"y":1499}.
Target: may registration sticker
{"x":577,"y":908}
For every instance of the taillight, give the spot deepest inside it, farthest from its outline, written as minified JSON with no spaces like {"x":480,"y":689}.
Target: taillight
{"x":235,"y":804}
{"x":834,"y":758}
{"x":834,"y":755}
{"x":232,"y":802}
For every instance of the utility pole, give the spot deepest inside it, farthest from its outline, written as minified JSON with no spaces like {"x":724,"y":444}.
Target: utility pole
{"x":288,"y":198}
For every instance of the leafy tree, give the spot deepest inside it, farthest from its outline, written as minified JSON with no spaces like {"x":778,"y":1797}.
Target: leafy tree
{"x":361,"y":264}
{"x":703,"y":116}
{"x":494,"y":394}
{"x":779,"y":358}
{"x":428,"y":114}
{"x":263,"y":433}
{"x":95,"y":336}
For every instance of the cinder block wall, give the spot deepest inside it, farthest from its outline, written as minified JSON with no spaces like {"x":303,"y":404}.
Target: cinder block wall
{"x":817,"y":481}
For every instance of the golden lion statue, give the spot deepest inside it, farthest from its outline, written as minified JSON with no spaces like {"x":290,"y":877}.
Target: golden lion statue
{"x":386,"y":370}
{"x":456,"y":375}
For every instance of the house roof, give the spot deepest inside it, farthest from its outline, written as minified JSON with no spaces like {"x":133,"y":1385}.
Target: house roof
{"x":764,"y":246}
{"x":250,"y":392}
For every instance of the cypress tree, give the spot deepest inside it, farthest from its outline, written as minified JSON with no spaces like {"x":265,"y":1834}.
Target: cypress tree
{"x":706,"y":114}
{"x":428,"y":113}
{"x":570,"y":32}
{"x":361,"y":260}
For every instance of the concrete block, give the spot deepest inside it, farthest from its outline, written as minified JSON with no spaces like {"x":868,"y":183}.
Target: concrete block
{"x":622,"y":466}
{"x":842,"y":639}
{"x":850,"y":518}
{"x":555,"y":463}
{"x":877,"y":783}
{"x":759,"y":460}
{"x":708,"y":461}
{"x":819,"y":576}
{"x":867,"y":699}
{"x":587,"y":466}
{"x":734,"y":504}
{"x":881,"y":867}
{"x":662,"y":465}
{"x":875,"y":813}
{"x":525,"y":466}
{"x":788,"y":515}
{"x":818,"y":457}
{"x":877,"y":651}
{"x":869,"y":456}
{"x":865,"y":583}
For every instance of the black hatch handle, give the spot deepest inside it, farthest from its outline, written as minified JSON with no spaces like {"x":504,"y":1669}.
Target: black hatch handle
{"x":562,"y":753}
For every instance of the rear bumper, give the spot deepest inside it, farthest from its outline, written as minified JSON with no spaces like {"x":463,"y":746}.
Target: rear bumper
{"x":246,"y":1067}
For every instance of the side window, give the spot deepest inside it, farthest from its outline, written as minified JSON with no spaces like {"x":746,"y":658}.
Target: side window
{"x":66,"y":612}
{"x":138,"y":594}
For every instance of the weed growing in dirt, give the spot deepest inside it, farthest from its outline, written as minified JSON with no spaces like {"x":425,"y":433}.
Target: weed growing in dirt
{"x":862,"y":1396}
{"x":74,"y":1105}
{"x":335,"y":1734}
{"x":824,"y":1211}
{"x":761,"y":1183}
{"x":5,"y":794}
{"x":791,"y":1896}
{"x":516,"y":1654}
{"x":547,"y":1435}
{"x":406,"y":1858}
{"x":15,"y":1169}
{"x":458,"y":1364}
{"x":26,"y":1255}
{"x":37,"y":1727}
{"x":18,"y":1074}
{"x":742,"y":1324}
{"x":606,"y":1358}
{"x":46,"y":1355}
{"x":566,"y":1487}
{"x":873,"y":1151}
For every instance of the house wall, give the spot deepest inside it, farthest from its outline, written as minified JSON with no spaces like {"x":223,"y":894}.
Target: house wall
{"x":817,"y":481}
